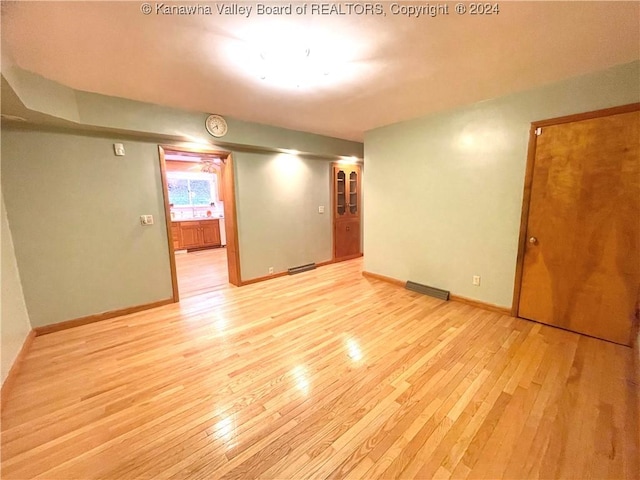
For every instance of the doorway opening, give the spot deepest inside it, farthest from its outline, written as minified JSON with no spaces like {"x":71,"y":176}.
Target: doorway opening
{"x":200,"y":212}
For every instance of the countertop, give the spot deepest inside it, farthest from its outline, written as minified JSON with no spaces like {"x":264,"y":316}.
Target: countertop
{"x":195,"y":219}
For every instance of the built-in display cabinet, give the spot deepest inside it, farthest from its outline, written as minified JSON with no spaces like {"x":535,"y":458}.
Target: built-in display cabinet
{"x":346,"y":211}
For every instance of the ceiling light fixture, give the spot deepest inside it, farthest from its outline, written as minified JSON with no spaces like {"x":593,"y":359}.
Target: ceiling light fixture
{"x":298,"y":56}
{"x":291,"y":66}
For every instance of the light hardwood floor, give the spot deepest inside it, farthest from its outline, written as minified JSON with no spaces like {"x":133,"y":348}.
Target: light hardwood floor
{"x":201,"y":271}
{"x":324,"y":374}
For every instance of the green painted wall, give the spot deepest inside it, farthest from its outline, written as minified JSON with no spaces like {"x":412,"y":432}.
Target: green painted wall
{"x":74,"y":209}
{"x":444,"y":192}
{"x":279,"y":223}
{"x":55,"y":104}
{"x":14,"y":322}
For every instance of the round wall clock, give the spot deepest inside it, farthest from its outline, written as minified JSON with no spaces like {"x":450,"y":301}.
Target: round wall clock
{"x":216,"y":125}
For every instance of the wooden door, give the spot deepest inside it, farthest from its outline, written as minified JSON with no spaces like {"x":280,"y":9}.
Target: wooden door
{"x":210,"y":233}
{"x":581,"y":267}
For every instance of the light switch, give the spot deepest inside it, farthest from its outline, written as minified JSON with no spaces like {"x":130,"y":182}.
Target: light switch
{"x":146,"y":219}
{"x":321,"y":209}
{"x":118,"y":148}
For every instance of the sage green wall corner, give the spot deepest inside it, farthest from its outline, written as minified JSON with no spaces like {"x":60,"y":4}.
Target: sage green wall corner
{"x":74,"y":212}
{"x":14,"y":323}
{"x":278,"y":221}
{"x":40,"y":94}
{"x":444,"y":192}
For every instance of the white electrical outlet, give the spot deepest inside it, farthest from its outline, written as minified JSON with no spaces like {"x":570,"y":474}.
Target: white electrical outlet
{"x":476,"y":280}
{"x":321,"y":209}
{"x":270,"y":270}
{"x":146,"y":220}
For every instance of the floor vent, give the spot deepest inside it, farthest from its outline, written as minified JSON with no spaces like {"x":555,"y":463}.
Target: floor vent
{"x":301,"y":268}
{"x":426,"y":290}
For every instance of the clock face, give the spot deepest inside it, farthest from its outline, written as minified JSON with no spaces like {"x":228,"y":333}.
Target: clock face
{"x":216,"y":125}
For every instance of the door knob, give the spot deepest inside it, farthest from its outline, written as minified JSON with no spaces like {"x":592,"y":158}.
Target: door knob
{"x":533,"y":240}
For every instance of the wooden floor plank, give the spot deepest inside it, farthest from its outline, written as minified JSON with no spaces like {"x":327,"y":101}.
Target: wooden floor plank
{"x":325,"y":374}
{"x":201,"y":271}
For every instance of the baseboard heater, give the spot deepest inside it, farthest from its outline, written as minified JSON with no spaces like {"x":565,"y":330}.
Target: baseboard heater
{"x":427,"y":290}
{"x":301,"y":268}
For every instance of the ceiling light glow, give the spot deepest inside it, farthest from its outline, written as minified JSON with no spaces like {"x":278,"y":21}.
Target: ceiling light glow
{"x":348,"y":160}
{"x":291,"y":66}
{"x":300,"y":56}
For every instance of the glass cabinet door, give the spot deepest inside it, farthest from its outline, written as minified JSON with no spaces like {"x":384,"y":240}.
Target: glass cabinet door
{"x":341,"y":192}
{"x":353,"y":192}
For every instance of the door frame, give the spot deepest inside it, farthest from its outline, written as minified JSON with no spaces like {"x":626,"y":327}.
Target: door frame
{"x":528,"y":178}
{"x":230,"y":212}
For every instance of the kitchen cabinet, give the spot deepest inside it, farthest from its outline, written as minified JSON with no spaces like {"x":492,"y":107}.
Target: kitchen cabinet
{"x":346,"y":211}
{"x":196,"y":234}
{"x":210,"y":233}
{"x":175,"y":235}
{"x":190,"y":235}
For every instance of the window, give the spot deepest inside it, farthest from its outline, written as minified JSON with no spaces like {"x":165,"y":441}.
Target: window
{"x":187,"y":189}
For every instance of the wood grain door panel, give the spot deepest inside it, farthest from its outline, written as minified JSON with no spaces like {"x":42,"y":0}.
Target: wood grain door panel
{"x":175,"y":236}
{"x":190,"y":234}
{"x":210,"y":233}
{"x":347,"y":235}
{"x":581,"y":270}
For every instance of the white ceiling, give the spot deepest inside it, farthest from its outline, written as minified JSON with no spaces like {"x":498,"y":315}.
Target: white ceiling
{"x":384,"y":68}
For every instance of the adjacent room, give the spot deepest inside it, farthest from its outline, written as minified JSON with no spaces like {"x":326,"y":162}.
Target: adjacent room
{"x":320,"y":240}
{"x":196,"y":208}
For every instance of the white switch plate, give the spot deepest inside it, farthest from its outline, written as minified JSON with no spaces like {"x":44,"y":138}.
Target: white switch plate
{"x":118,"y":148}
{"x":321,"y":209}
{"x":476,"y":280}
{"x":146,"y":219}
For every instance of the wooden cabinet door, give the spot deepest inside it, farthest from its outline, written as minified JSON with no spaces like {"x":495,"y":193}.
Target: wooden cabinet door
{"x":347,"y":238}
{"x":340,"y":192}
{"x":190,"y":234}
{"x":353,"y":192}
{"x":175,"y":235}
{"x":346,"y":191}
{"x":581,"y":268}
{"x":210,"y":233}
